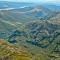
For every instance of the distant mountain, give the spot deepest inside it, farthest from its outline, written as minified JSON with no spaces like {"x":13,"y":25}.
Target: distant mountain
{"x":6,"y":4}
{"x":27,"y":14}
{"x":53,"y":7}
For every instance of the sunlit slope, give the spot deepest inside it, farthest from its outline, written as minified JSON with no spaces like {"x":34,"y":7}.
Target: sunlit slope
{"x":11,"y":52}
{"x":56,"y":19}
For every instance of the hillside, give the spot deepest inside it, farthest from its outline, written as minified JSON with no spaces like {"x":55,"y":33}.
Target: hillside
{"x":14,"y":19}
{"x":40,"y":38}
{"x":29,"y":33}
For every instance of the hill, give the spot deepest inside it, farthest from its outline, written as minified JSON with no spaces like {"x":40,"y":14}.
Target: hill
{"x":40,"y":38}
{"x":29,"y":33}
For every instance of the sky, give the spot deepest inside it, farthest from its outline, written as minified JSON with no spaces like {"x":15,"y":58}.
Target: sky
{"x":52,"y":1}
